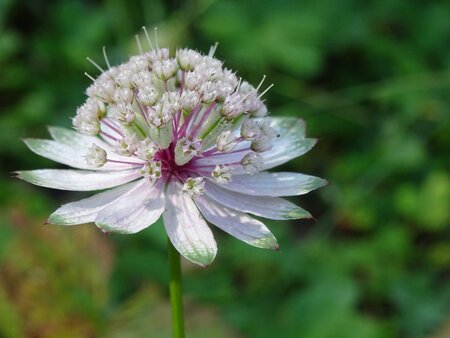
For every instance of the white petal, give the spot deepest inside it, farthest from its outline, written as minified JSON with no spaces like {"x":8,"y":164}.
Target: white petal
{"x":78,"y":180}
{"x":291,"y":143}
{"x":135,"y":211}
{"x":70,"y":155}
{"x":264,"y":206}
{"x":275,"y":184}
{"x":76,"y":140}
{"x":86,"y":210}
{"x":237,"y":224}
{"x":186,"y":228}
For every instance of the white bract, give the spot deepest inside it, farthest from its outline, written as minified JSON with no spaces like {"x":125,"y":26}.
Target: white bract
{"x":180,"y":137}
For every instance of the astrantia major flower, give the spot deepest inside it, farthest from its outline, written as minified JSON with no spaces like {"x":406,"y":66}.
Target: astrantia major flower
{"x":180,"y":137}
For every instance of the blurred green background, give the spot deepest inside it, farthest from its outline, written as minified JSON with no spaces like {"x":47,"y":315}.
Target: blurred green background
{"x":371,"y":79}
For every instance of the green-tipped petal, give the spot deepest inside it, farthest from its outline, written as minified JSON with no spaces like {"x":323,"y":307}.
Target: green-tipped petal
{"x":77,"y":180}
{"x":186,"y":228}
{"x":275,"y":184}
{"x":237,"y":224}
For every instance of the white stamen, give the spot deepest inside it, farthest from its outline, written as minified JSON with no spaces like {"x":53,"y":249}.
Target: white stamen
{"x":156,"y":37}
{"x":106,"y":57}
{"x":260,"y":95}
{"x":147,"y":37}
{"x":262,"y":81}
{"x":95,"y":64}
{"x":138,"y":42}
{"x":90,"y":77}
{"x":213,"y":49}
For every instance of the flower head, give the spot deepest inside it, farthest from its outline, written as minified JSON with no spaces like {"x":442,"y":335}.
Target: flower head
{"x":180,"y":137}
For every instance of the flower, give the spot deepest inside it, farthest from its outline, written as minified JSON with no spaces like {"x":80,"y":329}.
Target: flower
{"x":179,"y":137}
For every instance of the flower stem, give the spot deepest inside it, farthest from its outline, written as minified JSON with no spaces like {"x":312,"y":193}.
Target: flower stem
{"x":176,"y":294}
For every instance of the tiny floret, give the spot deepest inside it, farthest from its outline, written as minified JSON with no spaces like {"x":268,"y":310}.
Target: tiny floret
{"x":226,"y":141}
{"x":152,"y":170}
{"x":96,"y":156}
{"x":252,"y":163}
{"x":194,"y":186}
{"x":221,"y":174}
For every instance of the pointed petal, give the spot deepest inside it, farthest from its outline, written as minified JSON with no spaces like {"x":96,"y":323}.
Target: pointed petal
{"x":69,"y":155}
{"x":186,"y":228}
{"x":76,"y":140}
{"x":78,"y":180}
{"x":86,"y":210}
{"x":291,"y":143}
{"x":135,"y":211}
{"x":264,"y":206}
{"x":274,"y":184}
{"x":237,"y":224}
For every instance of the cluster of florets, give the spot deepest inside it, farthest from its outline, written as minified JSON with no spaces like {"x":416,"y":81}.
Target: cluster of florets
{"x":169,"y":112}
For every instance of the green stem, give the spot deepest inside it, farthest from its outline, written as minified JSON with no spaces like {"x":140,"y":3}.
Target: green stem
{"x":176,"y":293}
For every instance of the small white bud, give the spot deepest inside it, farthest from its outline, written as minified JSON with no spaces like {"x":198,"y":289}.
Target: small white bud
{"x":124,"y":113}
{"x":252,"y":163}
{"x":186,"y":149}
{"x":194,"y":187}
{"x":127,"y":146}
{"x":221,"y":174}
{"x":148,"y":95}
{"x":146,"y":149}
{"x":96,"y":156}
{"x":165,"y":69}
{"x":189,"y":99}
{"x":193,"y":80}
{"x":250,"y":129}
{"x":152,"y":170}
{"x":261,"y":143}
{"x":86,"y":126}
{"x":187,"y":58}
{"x":226,"y":141}
{"x":123,"y":95}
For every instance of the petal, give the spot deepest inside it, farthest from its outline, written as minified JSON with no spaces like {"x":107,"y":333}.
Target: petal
{"x":264,"y":206}
{"x":186,"y":228}
{"x":290,"y":144}
{"x":135,"y":211}
{"x":78,"y":180}
{"x":86,"y":210}
{"x":274,"y":184}
{"x":237,"y":224}
{"x":69,"y":155}
{"x":77,"y":140}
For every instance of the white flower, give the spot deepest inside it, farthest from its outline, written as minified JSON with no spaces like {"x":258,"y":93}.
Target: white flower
{"x":173,"y":137}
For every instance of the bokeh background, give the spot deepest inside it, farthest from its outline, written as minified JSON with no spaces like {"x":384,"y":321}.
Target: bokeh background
{"x":371,"y":79}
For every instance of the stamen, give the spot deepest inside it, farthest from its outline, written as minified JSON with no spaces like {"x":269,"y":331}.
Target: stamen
{"x":260,"y":84}
{"x":106,"y":57}
{"x":90,"y":77}
{"x":138,"y":43}
{"x":156,"y":37}
{"x":147,"y":37}
{"x":213,"y":49}
{"x":95,"y":64}
{"x":260,"y":95}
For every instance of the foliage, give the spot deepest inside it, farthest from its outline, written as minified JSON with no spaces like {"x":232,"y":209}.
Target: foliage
{"x":372,"y":82}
